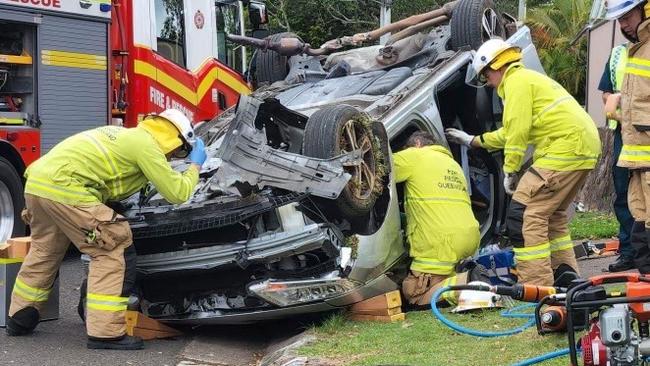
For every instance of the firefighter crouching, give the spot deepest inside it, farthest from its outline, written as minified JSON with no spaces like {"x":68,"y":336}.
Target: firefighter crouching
{"x":65,"y":196}
{"x":441,"y":228}
{"x":539,"y":112}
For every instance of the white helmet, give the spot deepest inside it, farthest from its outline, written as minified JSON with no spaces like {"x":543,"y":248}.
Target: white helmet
{"x":471,"y":300}
{"x":182,"y":123}
{"x":488,"y":52}
{"x":618,"y":8}
{"x":483,"y":57}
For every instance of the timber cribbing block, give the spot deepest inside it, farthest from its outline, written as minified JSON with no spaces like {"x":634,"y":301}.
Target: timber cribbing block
{"x":383,"y":308}
{"x":379,"y":312}
{"x":388,"y":300}
{"x":378,"y":318}
{"x":140,"y":325}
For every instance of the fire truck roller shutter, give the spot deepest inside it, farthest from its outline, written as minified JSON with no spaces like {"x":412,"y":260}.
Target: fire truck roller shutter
{"x":72,"y":76}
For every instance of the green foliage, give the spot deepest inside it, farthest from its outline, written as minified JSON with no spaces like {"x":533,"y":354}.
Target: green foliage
{"x":423,"y":340}
{"x":554,"y":26}
{"x":593,"y":225}
{"x":318,"y":21}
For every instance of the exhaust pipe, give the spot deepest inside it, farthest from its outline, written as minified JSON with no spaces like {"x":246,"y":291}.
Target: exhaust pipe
{"x":293,"y":46}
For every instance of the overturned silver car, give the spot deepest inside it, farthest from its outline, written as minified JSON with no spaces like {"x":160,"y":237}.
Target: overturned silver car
{"x":297,"y":210}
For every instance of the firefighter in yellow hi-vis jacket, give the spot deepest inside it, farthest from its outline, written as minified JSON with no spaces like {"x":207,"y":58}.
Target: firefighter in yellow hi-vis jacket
{"x":65,"y":196}
{"x":441,"y":228}
{"x":538,"y":112}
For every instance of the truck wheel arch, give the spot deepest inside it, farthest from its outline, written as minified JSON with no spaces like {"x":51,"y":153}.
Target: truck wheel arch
{"x":11,"y":184}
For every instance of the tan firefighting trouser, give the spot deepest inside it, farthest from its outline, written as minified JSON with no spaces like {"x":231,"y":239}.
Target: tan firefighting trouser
{"x":418,"y":287}
{"x":638,"y":199}
{"x":638,"y":195}
{"x":93,"y":230}
{"x":545,"y":196}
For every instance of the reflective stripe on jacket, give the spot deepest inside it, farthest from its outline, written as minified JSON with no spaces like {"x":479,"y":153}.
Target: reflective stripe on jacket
{"x":107,"y":164}
{"x":540,"y":112}
{"x":441,"y":228}
{"x":617,"y":65}
{"x":635,"y":104}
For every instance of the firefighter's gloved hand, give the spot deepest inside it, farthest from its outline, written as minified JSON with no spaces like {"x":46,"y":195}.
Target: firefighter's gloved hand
{"x":198,"y":155}
{"x":510,"y":183}
{"x":459,"y":137}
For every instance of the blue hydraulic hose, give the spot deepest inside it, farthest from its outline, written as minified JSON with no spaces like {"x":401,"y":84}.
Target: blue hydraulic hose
{"x":479,"y":333}
{"x":542,"y":358}
{"x":508,"y":313}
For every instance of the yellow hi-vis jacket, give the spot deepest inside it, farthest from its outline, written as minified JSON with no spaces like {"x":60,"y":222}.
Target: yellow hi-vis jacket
{"x":107,"y":164}
{"x":441,"y":228}
{"x":635,"y":104}
{"x":540,"y":112}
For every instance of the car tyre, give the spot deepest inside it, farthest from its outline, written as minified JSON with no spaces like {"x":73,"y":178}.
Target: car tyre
{"x":474,"y":22}
{"x":12,"y":201}
{"x":334,"y":130}
{"x":271,"y":66}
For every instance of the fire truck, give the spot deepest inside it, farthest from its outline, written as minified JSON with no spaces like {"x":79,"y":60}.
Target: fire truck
{"x":71,"y":65}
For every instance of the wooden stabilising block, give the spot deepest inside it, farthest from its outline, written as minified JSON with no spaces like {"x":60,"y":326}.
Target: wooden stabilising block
{"x":388,"y":300}
{"x":378,"y":318}
{"x":140,"y":325}
{"x":15,"y":247}
{"x":379,"y":312}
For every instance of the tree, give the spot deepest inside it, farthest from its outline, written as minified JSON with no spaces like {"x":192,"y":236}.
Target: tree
{"x":554,"y":26}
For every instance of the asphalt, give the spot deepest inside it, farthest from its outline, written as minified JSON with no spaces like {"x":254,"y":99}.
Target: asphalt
{"x":594,"y":266}
{"x":63,"y":341}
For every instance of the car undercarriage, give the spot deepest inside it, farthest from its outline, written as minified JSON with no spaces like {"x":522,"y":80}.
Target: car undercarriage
{"x":297,"y":209}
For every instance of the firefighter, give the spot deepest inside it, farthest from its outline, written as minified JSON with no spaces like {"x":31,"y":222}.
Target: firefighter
{"x":441,"y":228}
{"x":65,"y":195}
{"x":610,"y":84}
{"x":538,"y":112}
{"x":635,"y":125}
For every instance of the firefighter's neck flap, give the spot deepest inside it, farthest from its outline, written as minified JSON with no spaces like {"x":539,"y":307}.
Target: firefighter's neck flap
{"x":164,"y":132}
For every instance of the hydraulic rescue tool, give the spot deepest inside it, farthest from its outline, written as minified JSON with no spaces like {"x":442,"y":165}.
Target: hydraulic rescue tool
{"x":521,"y":292}
{"x":618,"y":332}
{"x":615,"y":318}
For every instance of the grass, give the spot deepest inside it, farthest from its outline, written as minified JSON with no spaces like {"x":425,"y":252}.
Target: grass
{"x":593,"y":225}
{"x":423,"y":340}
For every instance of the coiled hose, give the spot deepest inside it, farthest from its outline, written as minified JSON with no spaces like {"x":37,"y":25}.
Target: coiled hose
{"x":508,"y":313}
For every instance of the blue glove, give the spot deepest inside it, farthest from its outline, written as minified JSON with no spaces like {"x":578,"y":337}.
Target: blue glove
{"x":198,"y":155}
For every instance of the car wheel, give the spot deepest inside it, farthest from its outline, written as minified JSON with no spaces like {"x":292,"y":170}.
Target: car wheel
{"x":271,"y":66}
{"x":487,"y":192}
{"x":474,"y":22}
{"x":338,"y":129}
{"x":12,"y":201}
{"x":81,"y":306}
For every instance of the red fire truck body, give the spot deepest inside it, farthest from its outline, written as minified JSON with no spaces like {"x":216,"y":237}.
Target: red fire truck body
{"x":70,"y":65}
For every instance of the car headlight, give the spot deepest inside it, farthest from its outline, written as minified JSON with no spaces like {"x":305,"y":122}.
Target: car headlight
{"x":285,"y":293}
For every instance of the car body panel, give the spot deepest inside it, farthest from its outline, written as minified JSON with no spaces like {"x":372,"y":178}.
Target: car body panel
{"x":261,"y":236}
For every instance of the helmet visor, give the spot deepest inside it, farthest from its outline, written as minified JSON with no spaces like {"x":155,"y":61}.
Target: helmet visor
{"x":184,"y":150}
{"x":474,"y":79}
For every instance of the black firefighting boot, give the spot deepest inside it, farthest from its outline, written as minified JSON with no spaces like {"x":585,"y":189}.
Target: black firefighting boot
{"x":564,"y":275}
{"x":125,"y":342}
{"x":23,"y":322}
{"x":622,"y":264}
{"x":639,"y":241}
